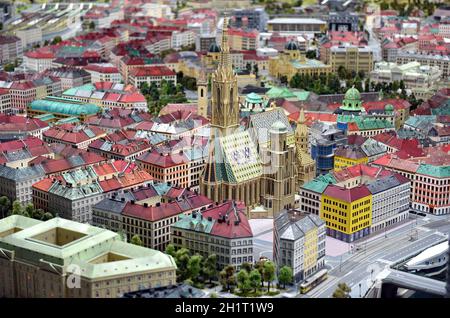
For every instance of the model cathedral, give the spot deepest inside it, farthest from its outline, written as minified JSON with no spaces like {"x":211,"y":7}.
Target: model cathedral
{"x":262,"y":164}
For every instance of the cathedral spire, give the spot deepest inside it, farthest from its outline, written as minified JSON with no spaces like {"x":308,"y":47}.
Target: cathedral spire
{"x":225,"y":48}
{"x":301,"y":117}
{"x":301,"y":133}
{"x":301,"y":129}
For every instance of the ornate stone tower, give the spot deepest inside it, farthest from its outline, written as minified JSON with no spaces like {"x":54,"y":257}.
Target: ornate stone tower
{"x":224,"y":98}
{"x":280,"y":171}
{"x":306,"y":166}
{"x":202,"y":92}
{"x":301,"y":133}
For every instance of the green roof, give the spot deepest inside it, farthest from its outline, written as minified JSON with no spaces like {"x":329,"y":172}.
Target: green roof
{"x":320,"y":183}
{"x":68,"y":120}
{"x":64,"y":106}
{"x":253,"y":98}
{"x":85,"y":87}
{"x":188,"y":222}
{"x":353,"y":94}
{"x":302,"y":95}
{"x":434,"y":171}
{"x":443,"y":110}
{"x":45,"y":117}
{"x":279,"y":92}
{"x":365,"y":123}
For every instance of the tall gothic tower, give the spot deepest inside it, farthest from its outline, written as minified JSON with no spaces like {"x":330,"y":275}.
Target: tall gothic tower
{"x":280,"y":175}
{"x":202,"y":92}
{"x":306,"y":166}
{"x":224,"y":99}
{"x":301,"y":133}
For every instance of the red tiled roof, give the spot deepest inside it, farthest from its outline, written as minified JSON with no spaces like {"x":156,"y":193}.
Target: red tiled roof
{"x":163,"y":160}
{"x":72,"y":133}
{"x":43,"y":185}
{"x":236,"y":224}
{"x":40,"y":54}
{"x":165,"y":210}
{"x":347,"y":195}
{"x":101,"y":69}
{"x":10,"y":123}
{"x":152,"y":71}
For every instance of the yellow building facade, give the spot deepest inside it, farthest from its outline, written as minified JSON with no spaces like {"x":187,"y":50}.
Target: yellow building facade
{"x":345,"y":157}
{"x":347,"y":212}
{"x":292,"y":61}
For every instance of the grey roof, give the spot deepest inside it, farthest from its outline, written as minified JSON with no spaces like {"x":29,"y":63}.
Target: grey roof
{"x":110,"y":205}
{"x":289,"y":228}
{"x":383,"y":184}
{"x":371,"y":147}
{"x":261,"y":123}
{"x":22,"y":174}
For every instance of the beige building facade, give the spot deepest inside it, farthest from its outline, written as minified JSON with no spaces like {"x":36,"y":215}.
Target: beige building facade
{"x":74,"y":260}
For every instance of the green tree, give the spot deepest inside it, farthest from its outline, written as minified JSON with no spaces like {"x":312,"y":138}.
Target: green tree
{"x":361,"y":74}
{"x":5,"y":206}
{"x":145,"y":88}
{"x":311,"y":54}
{"x":342,"y":72}
{"x":227,"y":277}
{"x":1,"y":26}
{"x":342,"y":291}
{"x":194,"y":267}
{"x":57,"y":39}
{"x":170,"y":250}
{"x":256,"y":69}
{"x":38,"y":214}
{"x":92,"y":25}
{"x":259,"y":266}
{"x":17,"y":208}
{"x":284,"y":79}
{"x":9,"y":67}
{"x":210,"y":267}
{"x":269,"y":273}
{"x":182,"y":257}
{"x":285,"y":276}
{"x":247,"y":266}
{"x":136,"y":240}
{"x":255,"y":279}
{"x":47,"y":216}
{"x":243,"y":281}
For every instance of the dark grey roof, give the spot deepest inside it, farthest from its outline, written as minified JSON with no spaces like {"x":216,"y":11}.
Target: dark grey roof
{"x":22,"y":174}
{"x":110,"y":205}
{"x":261,"y":123}
{"x":383,"y":184}
{"x":290,"y":228}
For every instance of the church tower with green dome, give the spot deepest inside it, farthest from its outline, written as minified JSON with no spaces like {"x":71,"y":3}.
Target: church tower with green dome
{"x":352,"y":101}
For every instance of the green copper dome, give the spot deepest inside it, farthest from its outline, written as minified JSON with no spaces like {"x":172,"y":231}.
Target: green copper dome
{"x":352,"y":101}
{"x":352,"y":93}
{"x":389,"y":108}
{"x":279,"y":127}
{"x":253,"y":98}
